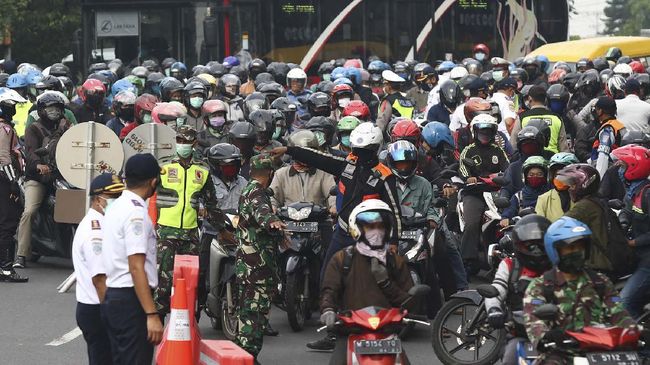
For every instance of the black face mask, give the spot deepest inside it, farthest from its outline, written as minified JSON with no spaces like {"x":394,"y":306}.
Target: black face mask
{"x":126,"y":114}
{"x":572,"y":263}
{"x":366,"y":157}
{"x":95,"y":100}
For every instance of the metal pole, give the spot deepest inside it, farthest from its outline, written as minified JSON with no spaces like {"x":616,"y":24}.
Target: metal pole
{"x":90,"y":159}
{"x":153,"y":147}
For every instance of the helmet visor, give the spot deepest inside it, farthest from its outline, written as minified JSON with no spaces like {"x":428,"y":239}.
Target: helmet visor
{"x":561,"y":183}
{"x":369,"y":217}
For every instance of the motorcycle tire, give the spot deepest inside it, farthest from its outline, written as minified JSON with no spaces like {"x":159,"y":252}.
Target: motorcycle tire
{"x":444,"y":334}
{"x":229,"y":322}
{"x":296,"y":305}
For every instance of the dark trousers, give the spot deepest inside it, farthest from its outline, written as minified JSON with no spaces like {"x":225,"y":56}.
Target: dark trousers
{"x":10,"y":212}
{"x":91,"y":325}
{"x":473,"y":209}
{"x":126,"y":324}
{"x":340,"y":240}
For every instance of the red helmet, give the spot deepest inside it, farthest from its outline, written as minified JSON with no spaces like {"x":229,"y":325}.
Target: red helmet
{"x":406,"y":129}
{"x":481,"y":48}
{"x":637,"y":161}
{"x":342,"y":89}
{"x":91,"y":86}
{"x":637,"y":67}
{"x":358,"y":109}
{"x":475,"y":106}
{"x":169,"y":113}
{"x":144,"y":102}
{"x":353,"y":62}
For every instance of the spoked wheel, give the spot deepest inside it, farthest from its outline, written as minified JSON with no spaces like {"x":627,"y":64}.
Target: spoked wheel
{"x":296,"y":301}
{"x":457,"y":341}
{"x":229,"y":320}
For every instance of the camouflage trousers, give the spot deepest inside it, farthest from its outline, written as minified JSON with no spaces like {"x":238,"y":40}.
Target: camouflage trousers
{"x":168,"y":248}
{"x":253,"y":310}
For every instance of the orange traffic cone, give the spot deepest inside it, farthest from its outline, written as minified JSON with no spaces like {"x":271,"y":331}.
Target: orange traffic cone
{"x":176,"y":347}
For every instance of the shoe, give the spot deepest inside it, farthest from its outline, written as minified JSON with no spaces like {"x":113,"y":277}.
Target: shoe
{"x":19,"y":263}
{"x":10,"y":275}
{"x":269,"y":331}
{"x":324,"y":344}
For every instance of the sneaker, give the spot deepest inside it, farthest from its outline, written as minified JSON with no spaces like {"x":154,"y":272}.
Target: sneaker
{"x":19,"y":263}
{"x":11,"y":276}
{"x":324,"y":344}
{"x":269,"y":331}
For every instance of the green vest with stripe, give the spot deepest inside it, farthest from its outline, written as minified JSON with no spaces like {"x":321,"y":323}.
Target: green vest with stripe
{"x":176,"y":199}
{"x":554,"y":123}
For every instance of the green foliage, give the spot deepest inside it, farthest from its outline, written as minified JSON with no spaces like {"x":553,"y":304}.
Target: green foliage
{"x":42,"y":29}
{"x":616,"y":12}
{"x":626,"y":17}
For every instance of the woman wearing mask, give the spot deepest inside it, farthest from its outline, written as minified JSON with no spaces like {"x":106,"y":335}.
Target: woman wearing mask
{"x":214,"y":119}
{"x":341,"y":97}
{"x":535,"y":170}
{"x":554,"y":203}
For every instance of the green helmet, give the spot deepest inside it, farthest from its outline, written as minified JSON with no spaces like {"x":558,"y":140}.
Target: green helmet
{"x":562,"y":159}
{"x":137,"y":82}
{"x":535,"y":161}
{"x":347,"y":123}
{"x":261,"y":162}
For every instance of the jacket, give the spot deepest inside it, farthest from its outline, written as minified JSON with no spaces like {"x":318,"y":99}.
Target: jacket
{"x":549,"y":205}
{"x":488,"y":160}
{"x":290,"y":186}
{"x":525,"y":198}
{"x":637,"y":213}
{"x":591,"y":213}
{"x":417,"y":194}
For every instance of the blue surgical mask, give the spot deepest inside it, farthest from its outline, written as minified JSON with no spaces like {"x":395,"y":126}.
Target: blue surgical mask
{"x":277,"y":134}
{"x":196,"y":102}
{"x":183,"y":150}
{"x":147,"y":118}
{"x":497,"y":75}
{"x":480,"y":56}
{"x":345,"y":140}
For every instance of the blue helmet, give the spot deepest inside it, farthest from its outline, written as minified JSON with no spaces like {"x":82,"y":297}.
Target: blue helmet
{"x":122,"y":85}
{"x":435,"y":133}
{"x":337,"y":73}
{"x":343,"y":80}
{"x":563,"y":231}
{"x":17,"y":81}
{"x":33,"y":76}
{"x":354,"y":74}
{"x":445,"y":66}
{"x":543,"y":62}
{"x":178,"y":69}
{"x":231,"y":61}
{"x":377,"y":66}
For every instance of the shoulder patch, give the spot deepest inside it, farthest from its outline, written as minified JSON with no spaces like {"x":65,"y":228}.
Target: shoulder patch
{"x":97,"y":246}
{"x":172,"y":173}
{"x":136,"y":203}
{"x":495,"y":159}
{"x":616,"y":299}
{"x":94,"y":225}
{"x":536,"y":302}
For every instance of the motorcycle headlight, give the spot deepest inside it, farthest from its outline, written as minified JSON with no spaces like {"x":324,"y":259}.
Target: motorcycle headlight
{"x":298,"y":215}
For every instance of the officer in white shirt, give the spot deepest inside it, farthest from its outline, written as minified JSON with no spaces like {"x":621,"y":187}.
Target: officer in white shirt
{"x":89,"y":268}
{"x":504,"y":96}
{"x":128,"y":309}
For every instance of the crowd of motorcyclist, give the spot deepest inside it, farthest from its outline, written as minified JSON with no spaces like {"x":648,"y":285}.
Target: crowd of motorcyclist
{"x":367,"y":141}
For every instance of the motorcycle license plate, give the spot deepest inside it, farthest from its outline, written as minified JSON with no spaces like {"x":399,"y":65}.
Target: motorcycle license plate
{"x":302,"y":226}
{"x":409,"y":235}
{"x":613,"y":358}
{"x":378,"y":347}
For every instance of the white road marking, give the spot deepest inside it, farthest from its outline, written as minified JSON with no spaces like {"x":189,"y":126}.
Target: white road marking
{"x":65,"y":338}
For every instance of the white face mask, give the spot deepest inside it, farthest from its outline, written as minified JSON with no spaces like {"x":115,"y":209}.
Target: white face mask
{"x":375,"y":237}
{"x":479,"y":56}
{"x":344,"y":102}
{"x":108,"y":201}
{"x":497,"y":75}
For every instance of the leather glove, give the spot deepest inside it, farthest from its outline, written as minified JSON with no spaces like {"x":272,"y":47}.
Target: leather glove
{"x":379,"y":271}
{"x":328,"y":318}
{"x":496,"y":318}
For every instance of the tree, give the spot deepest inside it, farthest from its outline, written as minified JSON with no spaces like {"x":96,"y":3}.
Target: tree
{"x":639,"y":17}
{"x":617,"y":12}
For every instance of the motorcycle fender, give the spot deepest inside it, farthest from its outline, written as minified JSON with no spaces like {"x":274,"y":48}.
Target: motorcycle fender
{"x":294,"y":263}
{"x":472,"y":295}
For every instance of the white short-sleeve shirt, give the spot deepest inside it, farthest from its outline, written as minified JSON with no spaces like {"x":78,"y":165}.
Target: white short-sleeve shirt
{"x":87,"y":256}
{"x":128,"y":230}
{"x":507,"y":109}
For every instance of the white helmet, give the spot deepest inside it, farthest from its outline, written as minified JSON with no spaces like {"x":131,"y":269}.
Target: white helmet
{"x":458,"y":73}
{"x":296,"y":74}
{"x":366,"y":134}
{"x":367,"y":206}
{"x":616,"y":86}
{"x":483,"y":120}
{"x":7,"y":94}
{"x":623,"y":69}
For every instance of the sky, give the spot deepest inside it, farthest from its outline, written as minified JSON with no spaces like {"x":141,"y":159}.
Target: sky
{"x":589,"y":21}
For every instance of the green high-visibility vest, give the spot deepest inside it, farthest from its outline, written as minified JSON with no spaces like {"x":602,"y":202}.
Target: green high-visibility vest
{"x":176,"y":197}
{"x":554,"y":123}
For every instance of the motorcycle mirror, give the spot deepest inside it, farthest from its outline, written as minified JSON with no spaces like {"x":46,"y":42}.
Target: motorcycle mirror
{"x":526,"y":211}
{"x":501,"y":202}
{"x":440,"y":203}
{"x":419,"y":290}
{"x":615,"y":204}
{"x":500,"y":181}
{"x":546,"y":312}
{"x":487,"y":291}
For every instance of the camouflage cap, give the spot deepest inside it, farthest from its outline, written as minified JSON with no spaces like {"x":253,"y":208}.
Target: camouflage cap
{"x":187,"y":133}
{"x":261,"y":162}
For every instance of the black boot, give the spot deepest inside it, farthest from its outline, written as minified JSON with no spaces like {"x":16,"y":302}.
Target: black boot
{"x":11,"y":276}
{"x":269,"y":331}
{"x":324,"y":344}
{"x":7,"y":272}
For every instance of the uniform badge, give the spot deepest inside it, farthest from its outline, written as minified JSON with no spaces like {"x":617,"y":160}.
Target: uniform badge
{"x":495,"y":160}
{"x":511,"y":106}
{"x":136,"y":203}
{"x":172,"y":173}
{"x":97,"y":246}
{"x":137,"y":226}
{"x":94,"y":225}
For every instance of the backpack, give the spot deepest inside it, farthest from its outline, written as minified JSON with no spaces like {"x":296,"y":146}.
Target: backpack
{"x":622,"y":257}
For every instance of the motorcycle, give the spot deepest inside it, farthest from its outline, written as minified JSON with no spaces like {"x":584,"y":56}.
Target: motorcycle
{"x":373,"y":331}
{"x":301,"y":261}
{"x":221,"y":303}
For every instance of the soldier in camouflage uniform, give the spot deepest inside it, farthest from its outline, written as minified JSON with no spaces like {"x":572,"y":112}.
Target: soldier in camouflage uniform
{"x":259,"y":232}
{"x":183,"y":186}
{"x":584,"y":297}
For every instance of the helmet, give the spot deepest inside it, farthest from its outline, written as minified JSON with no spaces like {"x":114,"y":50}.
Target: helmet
{"x":253,"y":102}
{"x":402,"y":151}
{"x":543,"y":62}
{"x":325,"y":68}
{"x":445,"y":66}
{"x":528,"y":134}
{"x":481,"y":48}
{"x":230,"y":62}
{"x":571,"y":81}
{"x":319,"y":104}
{"x":521,"y":75}
{"x":122,"y":85}
{"x":152,"y":84}
{"x":562,"y":159}
{"x":474,"y":67}
{"x":422,"y":71}
{"x":561,"y":65}
{"x":123,"y":99}
{"x":584,"y":64}
{"x":354,"y":63}
{"x":168,"y":62}
{"x":475,"y":106}
{"x":535,"y":161}
{"x":256,"y":67}
{"x":16,"y":81}
{"x":556,"y":76}
{"x":68,"y":86}
{"x":229,"y":85}
{"x":357,"y":108}
{"x":195,"y":87}
{"x":484,"y":122}
{"x":563,"y":232}
{"x":262,"y":119}
{"x":354,"y":74}
{"x":241,"y":72}
{"x":214,"y":106}
{"x":91,"y":87}
{"x":343,"y":80}
{"x":341,"y":91}
{"x":97,"y":67}
{"x":605,"y":75}
{"x":172,"y":114}
{"x":347,"y":124}
{"x":375,"y":68}
{"x":272,"y":90}
{"x":325,"y":86}
{"x":406,"y":129}
{"x":543,"y":127}
{"x":323,"y":128}
{"x":644,"y":80}
{"x":362,"y":214}
{"x":528,"y":236}
{"x":450,"y":94}
{"x":168,"y":86}
{"x":338,"y":73}
{"x":297,"y":74}
{"x":49,"y":83}
{"x":437,"y":134}
{"x":624,"y":59}
{"x":140,"y":72}
{"x":49,"y":99}
{"x":144,"y":102}
{"x":635,"y":137}
{"x":59,"y":69}
{"x":367,"y":136}
{"x":580,"y":179}
{"x":637,"y":161}
{"x":303,"y":138}
{"x":613,"y":53}
{"x":623,"y":69}
{"x":558,"y":92}
{"x":242,"y":130}
{"x":287,"y":108}
{"x":217,"y":70}
{"x":616,"y":87}
{"x":223,"y":154}
{"x":178,"y":70}
{"x":600,"y":64}
{"x":588,"y":83}
{"x":402,"y":69}
{"x":151,"y":65}
{"x":458,"y":73}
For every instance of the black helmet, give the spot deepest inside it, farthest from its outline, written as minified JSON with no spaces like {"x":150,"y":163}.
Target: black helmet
{"x":474,"y":67}
{"x":49,"y":100}
{"x":241,"y":72}
{"x":151,"y":65}
{"x":59,"y":69}
{"x":49,"y":83}
{"x":488,"y":77}
{"x":140,"y":71}
{"x":242,"y":130}
{"x":272,"y":90}
{"x":217,"y":70}
{"x":571,"y":80}
{"x":644,"y":81}
{"x":152,"y":85}
{"x":229,"y":80}
{"x":287,"y":108}
{"x":624,"y":59}
{"x":531,"y":133}
{"x":450,"y":94}
{"x":68,"y":86}
{"x":542,"y":127}
{"x":325,"y":87}
{"x":613,"y":54}
{"x":558,"y":92}
{"x":168,"y":62}
{"x":262,"y":119}
{"x":168,"y":86}
{"x":585,"y":64}
{"x":403,"y":70}
{"x":263,"y":78}
{"x":195,"y":87}
{"x":589,"y":83}
{"x":319,"y":104}
{"x":223,"y":154}
{"x":521,"y":75}
{"x":253,"y":102}
{"x":323,"y":125}
{"x":99,"y":66}
{"x":528,"y":236}
{"x":600,"y":63}
{"x":279,"y":70}
{"x":423,"y":71}
{"x":325,"y":68}
{"x":200,"y":69}
{"x":256,"y":67}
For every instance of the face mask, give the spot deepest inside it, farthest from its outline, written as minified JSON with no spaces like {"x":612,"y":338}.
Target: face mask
{"x":147,"y":118}
{"x":108,"y":201}
{"x":375,"y":238}
{"x":479,"y":56}
{"x":366,"y":157}
{"x":216,"y":122}
{"x":344,"y":102}
{"x":467,"y":93}
{"x":183,"y":150}
{"x":529,"y":149}
{"x":425,"y":86}
{"x":53,"y":113}
{"x":557,"y":106}
{"x":536,"y":181}
{"x":127,"y":114}
{"x":485,"y":137}
{"x":572,"y":263}
{"x":196,"y":102}
{"x":345,"y":140}
{"x":327,"y":77}
{"x":229,"y":171}
{"x":95,"y":100}
{"x":180,"y":122}
{"x":497,"y":75}
{"x":277,"y":133}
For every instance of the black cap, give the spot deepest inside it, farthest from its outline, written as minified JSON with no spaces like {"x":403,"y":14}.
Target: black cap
{"x":478,"y":84}
{"x":632,"y":86}
{"x":507,"y":82}
{"x":607,"y":104}
{"x":106,"y":184}
{"x":141,"y":167}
